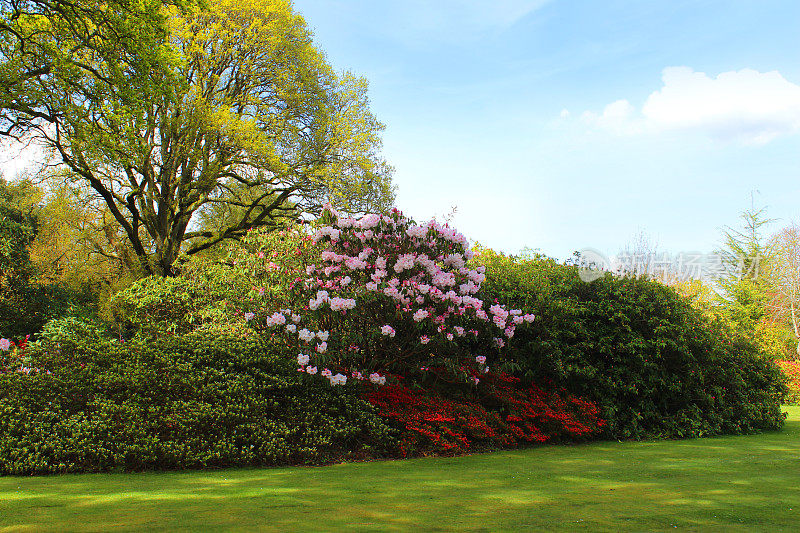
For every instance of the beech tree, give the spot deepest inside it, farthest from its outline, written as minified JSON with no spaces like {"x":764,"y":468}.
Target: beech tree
{"x":240,"y":115}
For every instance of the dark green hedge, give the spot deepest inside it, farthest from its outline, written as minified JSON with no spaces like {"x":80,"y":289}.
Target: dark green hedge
{"x":656,"y":366}
{"x":173,"y":402}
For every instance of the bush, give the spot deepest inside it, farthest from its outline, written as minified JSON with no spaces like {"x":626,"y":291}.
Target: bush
{"x":501,"y":415}
{"x":214,"y":295}
{"x":171,"y":402}
{"x":656,"y":366}
{"x":386,"y":296}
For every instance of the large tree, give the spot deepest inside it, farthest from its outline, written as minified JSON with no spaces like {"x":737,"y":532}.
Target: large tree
{"x":251,"y":122}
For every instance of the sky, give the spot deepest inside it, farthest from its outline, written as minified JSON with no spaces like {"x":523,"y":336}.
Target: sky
{"x":558,"y":125}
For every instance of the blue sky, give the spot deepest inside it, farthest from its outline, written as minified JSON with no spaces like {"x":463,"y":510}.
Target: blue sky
{"x":560,"y":125}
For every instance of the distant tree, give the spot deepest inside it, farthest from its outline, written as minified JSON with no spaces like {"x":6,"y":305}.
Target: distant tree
{"x":78,"y":242}
{"x":745,"y":254}
{"x":637,"y":257}
{"x":18,"y":226}
{"x":24,"y":304}
{"x":783,"y":277}
{"x":249,"y":124}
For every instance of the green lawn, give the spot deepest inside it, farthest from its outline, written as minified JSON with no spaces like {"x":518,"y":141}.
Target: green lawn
{"x":747,"y":483}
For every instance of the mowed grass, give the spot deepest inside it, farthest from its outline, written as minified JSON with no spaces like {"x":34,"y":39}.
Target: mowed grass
{"x":749,"y":483}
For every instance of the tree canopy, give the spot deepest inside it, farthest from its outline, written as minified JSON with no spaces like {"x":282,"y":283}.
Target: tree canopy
{"x":169,"y":110}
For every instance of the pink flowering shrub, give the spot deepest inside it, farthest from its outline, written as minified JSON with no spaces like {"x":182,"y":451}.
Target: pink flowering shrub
{"x":383,"y":296}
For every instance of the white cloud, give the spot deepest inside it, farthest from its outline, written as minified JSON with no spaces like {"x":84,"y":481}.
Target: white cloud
{"x":617,"y":117}
{"x":745,"y":106}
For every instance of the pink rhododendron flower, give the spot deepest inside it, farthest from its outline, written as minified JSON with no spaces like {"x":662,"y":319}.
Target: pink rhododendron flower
{"x":5,"y":344}
{"x":480,"y":359}
{"x":247,"y":316}
{"x":454,"y":260}
{"x":342,"y":304}
{"x":417,"y":231}
{"x":276,"y":319}
{"x":388,"y":330}
{"x":302,"y":359}
{"x":311,"y":370}
{"x":420,"y":315}
{"x":322,"y":347}
{"x":424,"y":339}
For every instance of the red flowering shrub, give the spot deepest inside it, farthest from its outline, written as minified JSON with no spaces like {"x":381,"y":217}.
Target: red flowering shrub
{"x":502,"y":415}
{"x":537,"y":414}
{"x":792,"y":371}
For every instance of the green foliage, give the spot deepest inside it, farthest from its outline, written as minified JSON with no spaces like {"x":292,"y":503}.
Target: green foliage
{"x":166,"y":305}
{"x":655,"y":365}
{"x":171,"y":402}
{"x":213,"y":294}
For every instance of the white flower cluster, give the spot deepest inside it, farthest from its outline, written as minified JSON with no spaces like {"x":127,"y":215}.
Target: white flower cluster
{"x":338,"y":379}
{"x":377,"y":379}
